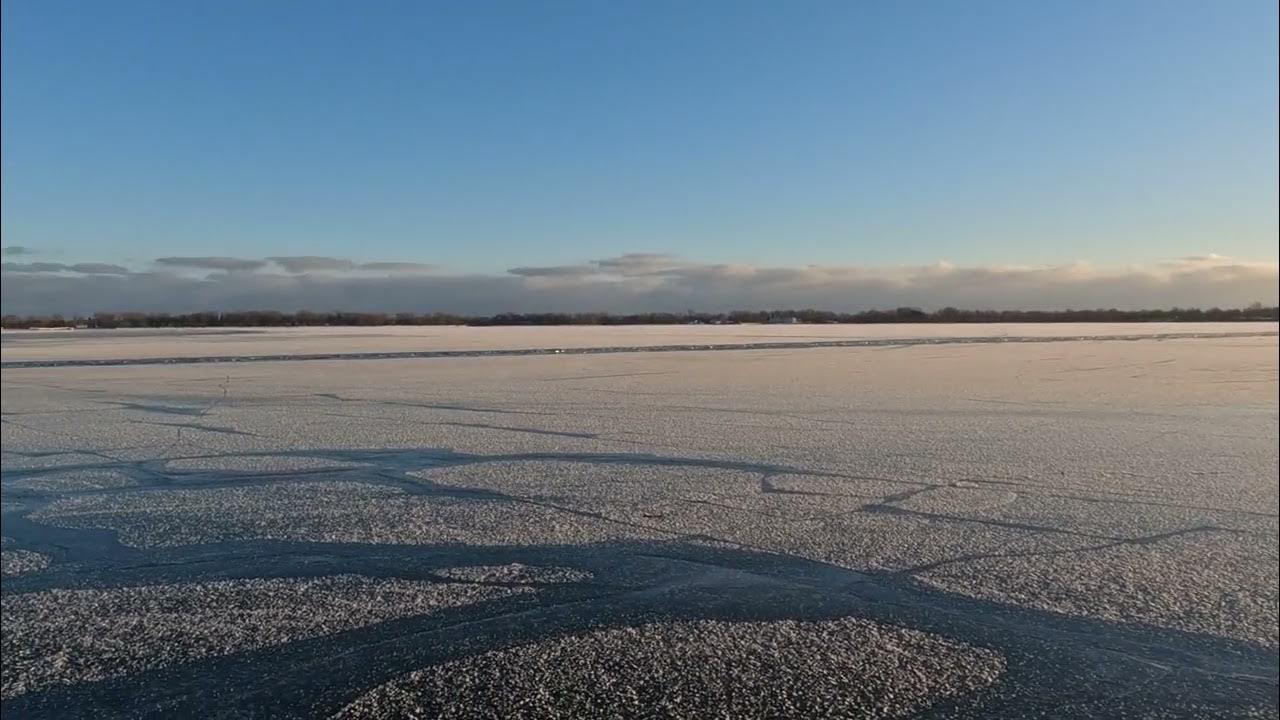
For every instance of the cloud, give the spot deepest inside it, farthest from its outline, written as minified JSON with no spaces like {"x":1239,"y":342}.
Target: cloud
{"x":15,"y":250}
{"x":630,"y":265}
{"x":82,"y":268}
{"x":98,"y":269}
{"x":311,"y":263}
{"x":227,"y":264}
{"x":634,"y":264}
{"x":35,"y":267}
{"x":397,"y":267}
{"x":574,"y":271}
{"x":641,"y":282}
{"x":298,"y":264}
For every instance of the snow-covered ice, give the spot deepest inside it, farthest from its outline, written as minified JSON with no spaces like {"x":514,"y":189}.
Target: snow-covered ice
{"x":28,"y":346}
{"x":1087,"y":526}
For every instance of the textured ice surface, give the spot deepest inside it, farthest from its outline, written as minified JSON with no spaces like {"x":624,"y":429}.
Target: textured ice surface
{"x":152,"y":343}
{"x":16,"y":562}
{"x":70,"y":636}
{"x":74,"y":480}
{"x":842,"y":668}
{"x":1041,"y":501}
{"x":345,"y":512}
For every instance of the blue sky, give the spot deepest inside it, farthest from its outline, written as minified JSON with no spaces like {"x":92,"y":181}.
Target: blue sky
{"x":483,"y":136}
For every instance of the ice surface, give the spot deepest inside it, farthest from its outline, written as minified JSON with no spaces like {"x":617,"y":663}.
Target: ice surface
{"x":1028,"y":502}
{"x":70,"y":636}
{"x":17,"y":346}
{"x":16,"y":562}
{"x":841,"y":668}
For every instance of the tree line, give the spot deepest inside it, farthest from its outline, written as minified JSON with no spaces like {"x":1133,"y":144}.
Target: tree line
{"x":272,"y":318}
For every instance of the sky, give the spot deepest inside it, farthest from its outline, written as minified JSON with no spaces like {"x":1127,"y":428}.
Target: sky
{"x":525,"y":156}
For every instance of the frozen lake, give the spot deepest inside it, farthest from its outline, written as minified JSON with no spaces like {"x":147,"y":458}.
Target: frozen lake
{"x":79,"y":345}
{"x":1069,"y":528}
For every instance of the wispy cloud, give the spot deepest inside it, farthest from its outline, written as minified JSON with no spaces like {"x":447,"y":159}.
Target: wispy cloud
{"x":557,"y":271}
{"x":311,"y":263}
{"x":398,"y":267}
{"x":97,"y":269}
{"x":16,"y":250}
{"x":81,"y":268}
{"x":635,"y":282}
{"x":33,"y":267}
{"x":298,"y":264}
{"x":228,"y":264}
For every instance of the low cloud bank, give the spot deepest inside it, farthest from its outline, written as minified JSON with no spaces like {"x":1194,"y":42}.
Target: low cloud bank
{"x":51,"y":267}
{"x":628,"y":283}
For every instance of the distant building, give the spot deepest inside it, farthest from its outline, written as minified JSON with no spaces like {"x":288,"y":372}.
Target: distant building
{"x":783,"y":320}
